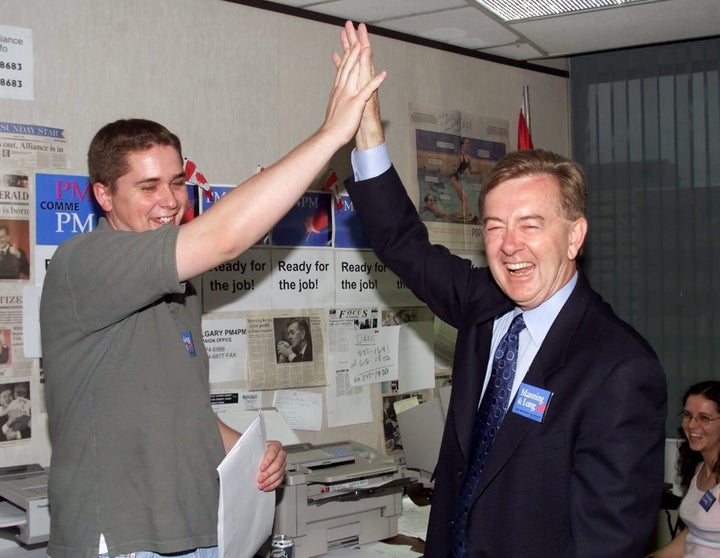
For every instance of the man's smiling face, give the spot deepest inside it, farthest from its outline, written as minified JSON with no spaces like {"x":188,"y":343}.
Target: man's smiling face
{"x":530,"y":245}
{"x":150,"y":195}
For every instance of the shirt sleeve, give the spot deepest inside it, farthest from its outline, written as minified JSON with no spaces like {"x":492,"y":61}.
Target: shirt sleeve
{"x":370,"y":163}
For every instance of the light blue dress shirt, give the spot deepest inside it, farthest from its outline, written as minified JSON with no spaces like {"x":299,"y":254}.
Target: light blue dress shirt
{"x":537,"y":324}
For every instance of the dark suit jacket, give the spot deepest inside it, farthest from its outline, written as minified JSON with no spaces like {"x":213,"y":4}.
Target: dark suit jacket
{"x":584,"y":483}
{"x":307,"y":356}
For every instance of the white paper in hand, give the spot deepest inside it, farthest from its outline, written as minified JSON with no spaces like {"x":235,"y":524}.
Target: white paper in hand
{"x":246,"y":513}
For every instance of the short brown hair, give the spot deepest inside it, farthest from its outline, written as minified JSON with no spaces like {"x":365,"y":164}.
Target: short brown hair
{"x":107,"y":155}
{"x":569,"y":175}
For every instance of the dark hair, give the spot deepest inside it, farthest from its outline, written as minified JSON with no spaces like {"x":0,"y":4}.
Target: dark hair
{"x":688,"y":459}
{"x":302,"y":323}
{"x":527,"y":162}
{"x":107,"y":155}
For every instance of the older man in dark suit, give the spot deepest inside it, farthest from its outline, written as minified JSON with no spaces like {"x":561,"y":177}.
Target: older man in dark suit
{"x":13,"y":261}
{"x":297,"y":346}
{"x":553,"y":445}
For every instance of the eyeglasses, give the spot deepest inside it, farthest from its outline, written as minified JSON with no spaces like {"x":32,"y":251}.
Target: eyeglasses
{"x":702,"y":420}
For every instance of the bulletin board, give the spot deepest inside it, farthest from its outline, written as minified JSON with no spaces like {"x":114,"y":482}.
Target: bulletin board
{"x":241,"y":87}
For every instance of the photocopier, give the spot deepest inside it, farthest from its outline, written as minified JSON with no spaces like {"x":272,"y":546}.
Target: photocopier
{"x":337,"y":494}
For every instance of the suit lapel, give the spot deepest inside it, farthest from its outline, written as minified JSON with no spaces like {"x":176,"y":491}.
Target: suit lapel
{"x":466,"y":402}
{"x":473,"y":366}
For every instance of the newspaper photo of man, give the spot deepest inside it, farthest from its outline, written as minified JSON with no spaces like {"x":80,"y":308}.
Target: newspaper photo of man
{"x":294,"y":341}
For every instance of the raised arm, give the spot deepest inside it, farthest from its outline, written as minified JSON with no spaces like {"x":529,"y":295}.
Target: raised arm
{"x":236,"y":221}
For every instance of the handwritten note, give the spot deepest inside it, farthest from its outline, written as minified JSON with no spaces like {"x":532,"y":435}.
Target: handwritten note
{"x":300,"y":409}
{"x":374,"y":355}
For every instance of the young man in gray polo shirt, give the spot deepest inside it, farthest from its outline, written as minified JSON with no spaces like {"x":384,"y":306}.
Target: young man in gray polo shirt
{"x":135,"y":441}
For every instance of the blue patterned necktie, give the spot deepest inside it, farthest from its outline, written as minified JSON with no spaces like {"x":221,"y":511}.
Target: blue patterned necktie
{"x":488,"y":419}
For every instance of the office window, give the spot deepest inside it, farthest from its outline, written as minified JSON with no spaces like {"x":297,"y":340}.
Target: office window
{"x":646,"y":128}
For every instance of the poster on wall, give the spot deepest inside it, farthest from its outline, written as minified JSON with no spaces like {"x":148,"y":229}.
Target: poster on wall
{"x":454,"y":151}
{"x":308,"y":223}
{"x":64,"y":207}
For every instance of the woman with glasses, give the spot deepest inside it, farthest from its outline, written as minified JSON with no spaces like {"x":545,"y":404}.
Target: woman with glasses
{"x":699,"y":469}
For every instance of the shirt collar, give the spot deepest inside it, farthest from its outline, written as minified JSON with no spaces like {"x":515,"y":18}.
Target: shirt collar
{"x":538,"y":320}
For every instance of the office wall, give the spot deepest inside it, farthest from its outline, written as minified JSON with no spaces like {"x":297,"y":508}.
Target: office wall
{"x":242,"y":86}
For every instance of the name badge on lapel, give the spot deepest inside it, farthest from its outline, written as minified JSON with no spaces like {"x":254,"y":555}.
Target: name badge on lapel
{"x":532,"y":402}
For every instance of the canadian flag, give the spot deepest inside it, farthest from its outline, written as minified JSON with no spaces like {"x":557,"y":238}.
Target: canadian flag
{"x":194,"y":176}
{"x":524,"y":137}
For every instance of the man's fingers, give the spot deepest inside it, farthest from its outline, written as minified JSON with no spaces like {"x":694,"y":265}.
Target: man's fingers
{"x":363,"y":37}
{"x":349,"y":33}
{"x":348,"y":64}
{"x":344,"y":40}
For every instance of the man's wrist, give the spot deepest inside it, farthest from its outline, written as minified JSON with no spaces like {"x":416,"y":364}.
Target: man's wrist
{"x":370,"y":133}
{"x":368,"y":137}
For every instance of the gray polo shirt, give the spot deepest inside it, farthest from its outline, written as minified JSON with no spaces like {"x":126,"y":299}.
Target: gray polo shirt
{"x":135,"y":444}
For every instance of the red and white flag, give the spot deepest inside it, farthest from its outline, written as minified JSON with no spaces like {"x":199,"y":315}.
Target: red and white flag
{"x":194,"y":176}
{"x":524,"y":137}
{"x":332,"y":185}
